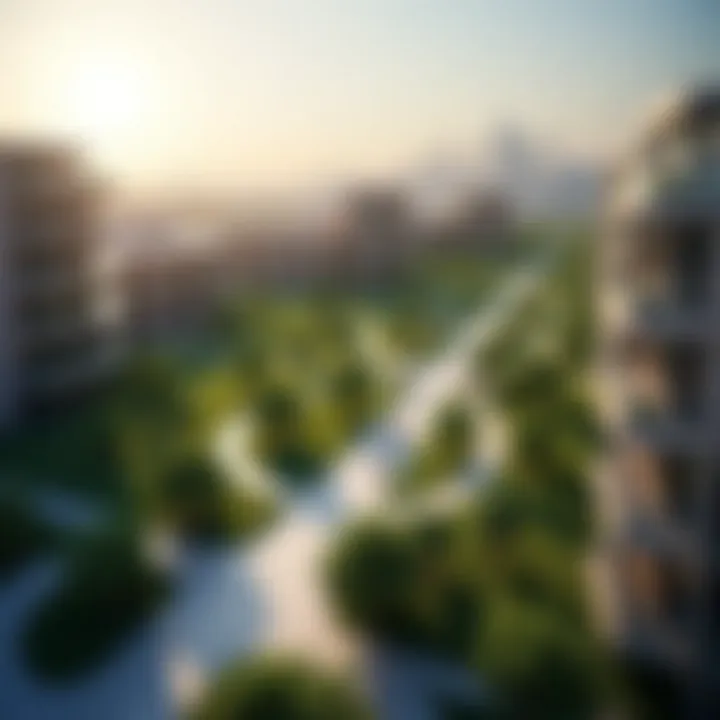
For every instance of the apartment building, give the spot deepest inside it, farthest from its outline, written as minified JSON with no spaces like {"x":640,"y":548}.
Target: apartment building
{"x":660,"y":361}
{"x":58,"y":310}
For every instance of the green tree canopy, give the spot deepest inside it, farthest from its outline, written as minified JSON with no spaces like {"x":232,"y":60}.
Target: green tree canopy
{"x":542,"y":667}
{"x":200,"y":502}
{"x":407,"y":583}
{"x":371,"y":575}
{"x":280,"y":689}
{"x":110,"y":588}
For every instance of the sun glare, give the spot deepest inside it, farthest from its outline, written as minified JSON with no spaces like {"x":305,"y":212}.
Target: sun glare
{"x":105,"y":98}
{"x":102,"y":99}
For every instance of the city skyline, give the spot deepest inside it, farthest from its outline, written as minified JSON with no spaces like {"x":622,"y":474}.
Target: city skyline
{"x":230,"y":95}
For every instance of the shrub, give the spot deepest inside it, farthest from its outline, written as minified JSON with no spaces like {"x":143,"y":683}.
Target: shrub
{"x":22,"y":536}
{"x":372,"y":577}
{"x":406,"y":584}
{"x":539,"y":665}
{"x":274,"y":689}
{"x":109,"y":591}
{"x":201,"y":503}
{"x":288,"y":433}
{"x":559,"y":507}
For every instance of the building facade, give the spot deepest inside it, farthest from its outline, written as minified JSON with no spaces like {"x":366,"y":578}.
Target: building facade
{"x":660,"y":378}
{"x":375,"y":235}
{"x":59,"y":312}
{"x":481,"y":222}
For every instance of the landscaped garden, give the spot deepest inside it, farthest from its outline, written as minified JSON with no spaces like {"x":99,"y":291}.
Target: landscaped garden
{"x":497,"y":583}
{"x":308,"y":371}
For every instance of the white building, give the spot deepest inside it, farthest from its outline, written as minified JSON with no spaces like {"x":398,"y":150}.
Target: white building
{"x":660,"y":485}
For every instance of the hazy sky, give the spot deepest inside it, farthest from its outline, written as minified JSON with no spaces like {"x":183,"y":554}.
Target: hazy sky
{"x":277,"y":92}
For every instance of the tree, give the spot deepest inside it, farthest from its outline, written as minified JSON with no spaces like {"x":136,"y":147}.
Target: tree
{"x":406,"y":583}
{"x":200,"y":502}
{"x":283,"y":433}
{"x":514,"y":504}
{"x":541,"y":666}
{"x":275,"y":689}
{"x":110,"y":589}
{"x":535,"y":566}
{"x":371,"y":574}
{"x":154,"y":426}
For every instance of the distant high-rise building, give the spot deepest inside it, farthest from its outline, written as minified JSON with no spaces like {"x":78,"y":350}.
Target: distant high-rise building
{"x":482,"y":221}
{"x":59,"y":313}
{"x":375,"y":232}
{"x":660,"y":484}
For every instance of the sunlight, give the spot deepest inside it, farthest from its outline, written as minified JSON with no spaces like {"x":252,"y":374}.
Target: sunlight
{"x":104,"y":98}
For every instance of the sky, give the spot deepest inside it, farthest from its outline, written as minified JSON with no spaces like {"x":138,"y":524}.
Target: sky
{"x":244,"y":93}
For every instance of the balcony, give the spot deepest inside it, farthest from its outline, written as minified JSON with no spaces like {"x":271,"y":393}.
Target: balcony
{"x":64,"y":308}
{"x":67,"y":372}
{"x":693,"y":192}
{"x":57,"y":247}
{"x":656,"y":640}
{"x":667,"y":403}
{"x":663,"y":500}
{"x":672,"y":318}
{"x":46,"y":281}
{"x":670,"y":429}
{"x":667,"y":534}
{"x":660,"y":618}
{"x":48,"y":325}
{"x":682,"y":186}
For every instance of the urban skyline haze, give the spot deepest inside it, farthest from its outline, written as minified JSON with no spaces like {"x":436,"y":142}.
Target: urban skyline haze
{"x":228,"y":94}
